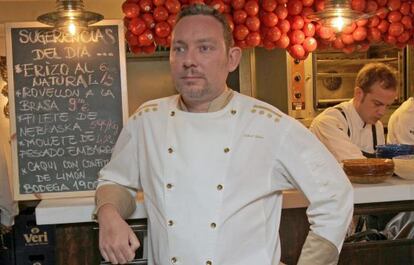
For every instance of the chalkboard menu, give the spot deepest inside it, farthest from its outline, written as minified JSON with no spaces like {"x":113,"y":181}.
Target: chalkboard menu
{"x":68,"y":104}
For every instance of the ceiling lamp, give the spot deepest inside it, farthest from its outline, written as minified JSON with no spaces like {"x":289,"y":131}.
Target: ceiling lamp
{"x":70,"y":16}
{"x":337,"y":14}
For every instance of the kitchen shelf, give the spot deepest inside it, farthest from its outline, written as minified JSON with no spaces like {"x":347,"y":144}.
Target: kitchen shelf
{"x":355,"y":61}
{"x":351,"y":75}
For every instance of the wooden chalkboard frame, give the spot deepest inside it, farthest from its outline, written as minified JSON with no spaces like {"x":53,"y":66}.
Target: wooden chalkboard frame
{"x":9,"y":52}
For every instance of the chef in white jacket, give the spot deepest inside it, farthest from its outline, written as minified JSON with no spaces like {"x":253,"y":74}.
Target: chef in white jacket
{"x":213,"y":164}
{"x":353,"y":129}
{"x":401,"y":124}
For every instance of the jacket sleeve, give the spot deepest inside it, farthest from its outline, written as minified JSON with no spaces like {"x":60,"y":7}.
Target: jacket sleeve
{"x":310,"y":168}
{"x":403,"y":128}
{"x":119,"y":179}
{"x":332,"y":132}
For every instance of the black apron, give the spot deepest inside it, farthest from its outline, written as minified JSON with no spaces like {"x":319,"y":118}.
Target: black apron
{"x":374,"y":135}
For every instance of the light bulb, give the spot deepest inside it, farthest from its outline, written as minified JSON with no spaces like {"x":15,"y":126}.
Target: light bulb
{"x":338,"y":23}
{"x":72,"y":28}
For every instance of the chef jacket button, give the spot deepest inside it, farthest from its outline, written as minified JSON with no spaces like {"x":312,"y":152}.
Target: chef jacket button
{"x":226,"y":150}
{"x":172,"y":113}
{"x":169,"y":186}
{"x":170,"y":222}
{"x":233,"y":111}
{"x":219,"y":187}
{"x":208,"y":262}
{"x":170,"y":150}
{"x":173,"y":260}
{"x":213,"y":225}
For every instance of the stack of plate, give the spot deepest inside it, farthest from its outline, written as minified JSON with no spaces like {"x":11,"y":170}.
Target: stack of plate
{"x":404,"y":166}
{"x":391,"y":150}
{"x":368,"y":170}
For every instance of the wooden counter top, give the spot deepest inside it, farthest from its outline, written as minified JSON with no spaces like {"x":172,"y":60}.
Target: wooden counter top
{"x":79,"y":210}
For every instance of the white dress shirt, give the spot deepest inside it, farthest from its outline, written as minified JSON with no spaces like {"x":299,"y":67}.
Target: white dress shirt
{"x":401,"y":124}
{"x":213,"y":181}
{"x":331,"y":128}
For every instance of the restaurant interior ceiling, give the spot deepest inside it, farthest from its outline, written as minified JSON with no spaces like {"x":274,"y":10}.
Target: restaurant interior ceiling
{"x":29,"y":10}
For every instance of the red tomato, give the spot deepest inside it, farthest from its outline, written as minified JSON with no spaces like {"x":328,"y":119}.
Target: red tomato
{"x":412,"y":8}
{"x":283,"y":41}
{"x":309,"y":29}
{"x":273,"y":34}
{"x":338,"y":44}
{"x":131,"y":38}
{"x":269,"y":5}
{"x":382,"y":12}
{"x":310,"y":44}
{"x":253,"y":39}
{"x":137,"y":26}
{"x":296,"y":36}
{"x":319,"y":5}
{"x":282,"y":2}
{"x":349,"y":49}
{"x":307,"y":2}
{"x":160,"y":13}
{"x":135,"y":49}
{"x":174,"y":6}
{"x":239,"y":16}
{"x":396,"y":29}
{"x":158,"y":2}
{"x":172,"y":19}
{"x":160,"y":41}
{"x":394,"y":16}
{"x":374,"y":35}
{"x":229,"y":19}
{"x":242,"y":44}
{"x":162,"y":29}
{"x":146,"y":38}
{"x":226,"y":8}
{"x":268,"y":45}
{"x":306,"y":11}
{"x":145,"y":5}
{"x":297,"y":22}
{"x":269,"y":19}
{"x":360,"y":34}
{"x":283,"y":25}
{"x":325,"y":32}
{"x":407,"y":21}
{"x":394,"y":4}
{"x":371,"y":6}
{"x":251,"y":7}
{"x":405,"y":8}
{"x":383,"y":26}
{"x":373,"y":21}
{"x":130,"y":10}
{"x":381,"y":2}
{"x":218,"y":5}
{"x":149,"y":48}
{"x":294,"y":7}
{"x":347,"y":39}
{"x":349,"y":29}
{"x":297,"y":51}
{"x":237,"y":4}
{"x":240,"y":32}
{"x":281,"y":12}
{"x":358,"y":5}
{"x":194,"y":2}
{"x":390,"y":39}
{"x":253,"y":23}
{"x":362,"y":22}
{"x":362,"y":46}
{"x":149,"y":20}
{"x":404,"y":37}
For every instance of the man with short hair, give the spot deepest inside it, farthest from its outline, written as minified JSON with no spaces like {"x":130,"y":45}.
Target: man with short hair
{"x":353,"y":129}
{"x":213,"y":163}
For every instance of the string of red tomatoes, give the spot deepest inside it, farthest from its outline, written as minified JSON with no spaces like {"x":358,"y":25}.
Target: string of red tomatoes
{"x":276,"y":24}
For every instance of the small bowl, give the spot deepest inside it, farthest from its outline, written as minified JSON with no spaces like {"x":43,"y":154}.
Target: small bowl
{"x":404,"y":166}
{"x":368,"y":170}
{"x":391,"y":150}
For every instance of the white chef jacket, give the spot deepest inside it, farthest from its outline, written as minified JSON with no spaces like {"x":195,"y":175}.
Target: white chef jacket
{"x":213,"y":181}
{"x":401,"y":124}
{"x":331,"y":128}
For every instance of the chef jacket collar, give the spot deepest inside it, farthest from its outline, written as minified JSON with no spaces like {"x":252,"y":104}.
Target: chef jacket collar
{"x":358,"y":120}
{"x":215,"y":105}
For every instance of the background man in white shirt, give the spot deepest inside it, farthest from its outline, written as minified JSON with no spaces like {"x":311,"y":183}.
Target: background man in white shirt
{"x":213,"y":163}
{"x":353,"y":129}
{"x":401,"y":124}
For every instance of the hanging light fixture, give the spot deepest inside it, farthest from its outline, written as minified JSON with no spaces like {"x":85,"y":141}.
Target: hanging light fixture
{"x":337,"y":14}
{"x":70,"y":16}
